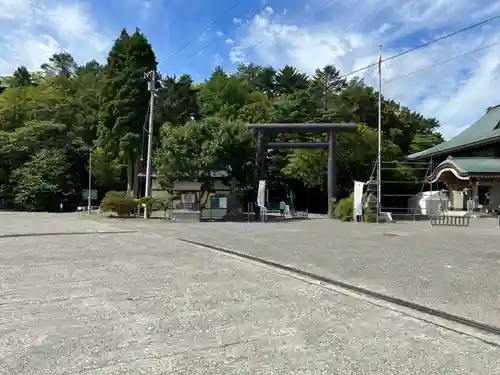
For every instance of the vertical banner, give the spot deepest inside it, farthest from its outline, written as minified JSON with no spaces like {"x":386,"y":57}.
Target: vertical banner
{"x":358,"y":200}
{"x":261,"y":194}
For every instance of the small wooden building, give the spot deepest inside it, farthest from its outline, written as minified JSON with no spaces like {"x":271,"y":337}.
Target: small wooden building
{"x":212,"y":205}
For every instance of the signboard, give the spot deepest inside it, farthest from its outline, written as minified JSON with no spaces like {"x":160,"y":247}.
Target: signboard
{"x":188,"y":198}
{"x":223,"y":202}
{"x":93,"y":194}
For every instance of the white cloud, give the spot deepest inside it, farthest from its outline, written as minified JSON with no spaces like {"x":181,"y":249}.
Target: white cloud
{"x":384,"y":28}
{"x":31,"y":31}
{"x":456,"y":93}
{"x":229,"y":41}
{"x":145,"y":9}
{"x":218,"y":60}
{"x":219,"y":33}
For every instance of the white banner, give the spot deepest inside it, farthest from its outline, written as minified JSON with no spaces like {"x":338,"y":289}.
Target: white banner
{"x":261,"y":194}
{"x":358,"y":199}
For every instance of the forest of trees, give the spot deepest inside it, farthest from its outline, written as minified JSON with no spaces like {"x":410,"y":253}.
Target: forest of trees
{"x":51,"y":119}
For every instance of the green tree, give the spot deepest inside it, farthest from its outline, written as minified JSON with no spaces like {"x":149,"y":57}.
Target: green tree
{"x":92,"y":67}
{"x":195,"y":151}
{"x":43,"y":181}
{"x":178,"y":101}
{"x":289,"y":80}
{"x":45,"y":166}
{"x":60,"y":64}
{"x":125,"y":101}
{"x":21,"y":77}
{"x":326,"y":84}
{"x":86,"y":87}
{"x":262,"y":79}
{"x":223,"y":95}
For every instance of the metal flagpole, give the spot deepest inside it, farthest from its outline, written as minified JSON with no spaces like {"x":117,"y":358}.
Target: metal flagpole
{"x":379,"y":157}
{"x":152,"y":90}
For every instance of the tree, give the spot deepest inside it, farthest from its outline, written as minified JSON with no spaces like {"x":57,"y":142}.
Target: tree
{"x":13,"y":107}
{"x":21,"y":77}
{"x":259,"y":78}
{"x":60,"y":64}
{"x":289,"y":80}
{"x":223,"y":95}
{"x":178,"y":101}
{"x":194,"y":151}
{"x":125,"y":101}
{"x":43,"y":181}
{"x":326,"y":84}
{"x":92,"y":67}
{"x":45,"y":166}
{"x":86,"y":87}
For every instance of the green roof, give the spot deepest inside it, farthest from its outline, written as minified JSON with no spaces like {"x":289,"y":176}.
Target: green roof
{"x":473,"y":165}
{"x":485,"y":130}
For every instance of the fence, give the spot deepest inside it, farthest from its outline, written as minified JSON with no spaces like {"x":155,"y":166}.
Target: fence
{"x":264,"y":214}
{"x":449,"y":220}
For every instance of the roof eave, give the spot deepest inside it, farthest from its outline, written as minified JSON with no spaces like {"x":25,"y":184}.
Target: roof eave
{"x":453,"y":149}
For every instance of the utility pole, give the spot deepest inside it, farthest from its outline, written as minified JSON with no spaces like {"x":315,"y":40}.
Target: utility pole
{"x":152,"y":89}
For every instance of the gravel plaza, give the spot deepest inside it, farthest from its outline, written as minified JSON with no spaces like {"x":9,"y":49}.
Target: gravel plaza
{"x":85,"y":296}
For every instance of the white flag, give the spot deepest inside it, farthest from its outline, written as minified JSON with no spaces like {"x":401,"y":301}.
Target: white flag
{"x":261,"y":194}
{"x":358,"y":198}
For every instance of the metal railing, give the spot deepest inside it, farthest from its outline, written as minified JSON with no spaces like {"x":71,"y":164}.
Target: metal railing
{"x":449,"y":220}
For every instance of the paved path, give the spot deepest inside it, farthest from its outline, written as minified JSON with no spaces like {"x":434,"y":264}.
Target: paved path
{"x":142,"y":304}
{"x":452,"y":269}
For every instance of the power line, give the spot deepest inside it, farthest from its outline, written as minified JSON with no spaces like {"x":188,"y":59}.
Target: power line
{"x":424,"y":45}
{"x":305,"y":15}
{"x":244,"y":22}
{"x":443,"y":62}
{"x":266,"y":39}
{"x":188,"y":43}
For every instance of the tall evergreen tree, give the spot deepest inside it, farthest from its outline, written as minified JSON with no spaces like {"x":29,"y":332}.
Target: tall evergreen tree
{"x":326,"y":84}
{"x":289,"y":80}
{"x":125,"y":100}
{"x":21,"y":77}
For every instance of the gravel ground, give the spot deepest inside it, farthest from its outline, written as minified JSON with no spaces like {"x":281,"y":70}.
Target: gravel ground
{"x":452,"y":269}
{"x":132,"y":303}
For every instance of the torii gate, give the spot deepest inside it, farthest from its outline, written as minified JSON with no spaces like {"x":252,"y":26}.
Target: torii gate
{"x":263,"y":130}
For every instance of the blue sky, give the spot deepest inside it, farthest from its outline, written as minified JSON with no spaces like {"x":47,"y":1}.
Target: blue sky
{"x":306,"y":34}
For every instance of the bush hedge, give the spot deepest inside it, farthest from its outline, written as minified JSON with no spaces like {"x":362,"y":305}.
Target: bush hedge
{"x":119,"y":202}
{"x":153,"y":204}
{"x":344,"y":209}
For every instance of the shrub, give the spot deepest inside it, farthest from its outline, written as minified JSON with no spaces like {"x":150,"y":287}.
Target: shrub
{"x":118,"y":202}
{"x":153,"y":204}
{"x":344,"y":208}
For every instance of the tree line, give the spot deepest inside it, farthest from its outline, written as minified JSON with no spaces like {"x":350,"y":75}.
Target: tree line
{"x":52,"y":119}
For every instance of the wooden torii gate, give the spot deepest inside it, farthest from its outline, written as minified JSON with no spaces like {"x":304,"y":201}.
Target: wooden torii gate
{"x":263,"y":131}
